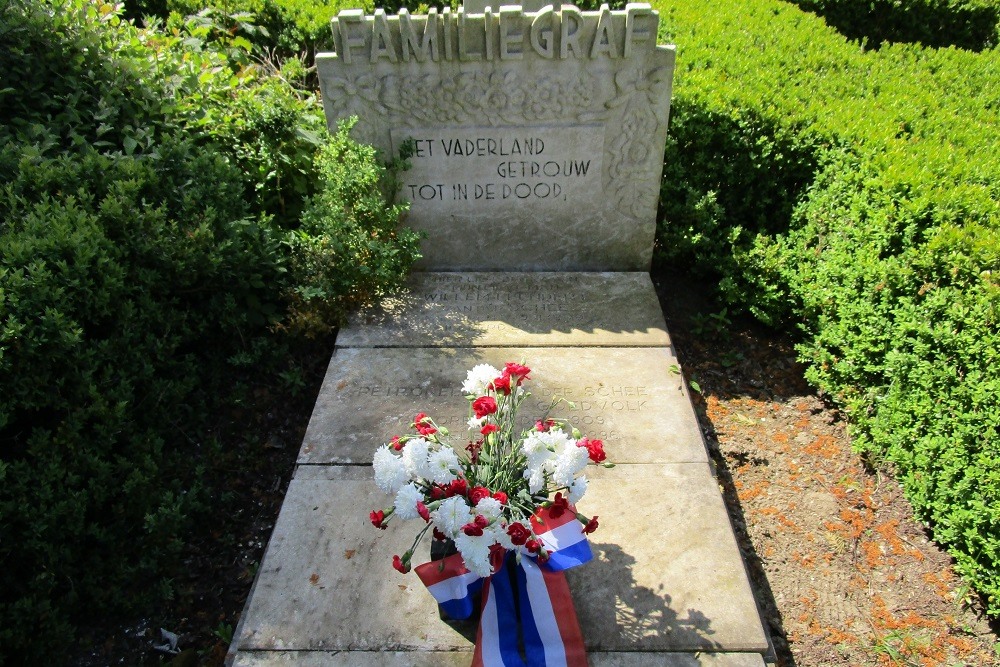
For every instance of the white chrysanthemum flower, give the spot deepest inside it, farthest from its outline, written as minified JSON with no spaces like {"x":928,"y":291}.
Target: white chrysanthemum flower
{"x":535,"y":477}
{"x":478,"y":379}
{"x":475,"y":550}
{"x":577,"y":489}
{"x":443,"y":465}
{"x":415,"y":457}
{"x":534,"y":444}
{"x":499,"y":535}
{"x":451,"y":515}
{"x":537,"y":442}
{"x":476,"y":423}
{"x":491,"y":508}
{"x":390,"y":470}
{"x":406,"y":501}
{"x":570,"y":461}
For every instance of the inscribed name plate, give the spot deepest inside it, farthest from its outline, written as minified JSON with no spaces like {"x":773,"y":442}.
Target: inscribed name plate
{"x":538,"y":135}
{"x":482,"y":173}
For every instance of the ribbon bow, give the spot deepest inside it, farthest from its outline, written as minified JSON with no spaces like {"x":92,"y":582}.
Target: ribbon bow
{"x":526,"y":604}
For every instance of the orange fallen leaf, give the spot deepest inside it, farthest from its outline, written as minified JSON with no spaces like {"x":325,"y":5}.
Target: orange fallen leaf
{"x":349,"y":553}
{"x":314,"y":579}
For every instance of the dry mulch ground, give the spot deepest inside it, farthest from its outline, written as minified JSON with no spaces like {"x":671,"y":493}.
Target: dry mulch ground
{"x":842,"y":572}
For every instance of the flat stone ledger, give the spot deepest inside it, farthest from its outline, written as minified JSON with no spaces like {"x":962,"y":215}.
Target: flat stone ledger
{"x":537,"y":136}
{"x":534,"y":309}
{"x":670,"y":582}
{"x":627,"y":397}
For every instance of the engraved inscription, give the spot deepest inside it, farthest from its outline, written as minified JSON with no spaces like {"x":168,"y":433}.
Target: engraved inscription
{"x":502,"y":168}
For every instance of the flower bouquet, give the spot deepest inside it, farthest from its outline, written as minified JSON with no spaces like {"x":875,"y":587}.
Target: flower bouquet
{"x":507,"y":501}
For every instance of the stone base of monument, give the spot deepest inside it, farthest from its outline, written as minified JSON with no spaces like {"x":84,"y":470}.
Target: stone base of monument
{"x":667,"y":585}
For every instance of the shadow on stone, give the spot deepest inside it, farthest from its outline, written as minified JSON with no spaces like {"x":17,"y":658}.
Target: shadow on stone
{"x":617,"y":613}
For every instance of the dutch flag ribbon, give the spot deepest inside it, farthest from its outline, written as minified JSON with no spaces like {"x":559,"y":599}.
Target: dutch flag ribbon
{"x":526,"y":605}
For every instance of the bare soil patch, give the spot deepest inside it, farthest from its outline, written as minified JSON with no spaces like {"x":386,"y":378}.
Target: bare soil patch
{"x":843,"y":573}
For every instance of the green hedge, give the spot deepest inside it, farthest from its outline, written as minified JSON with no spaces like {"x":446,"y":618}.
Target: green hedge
{"x":152,"y":186}
{"x":856,"y":193}
{"x":968,"y":24}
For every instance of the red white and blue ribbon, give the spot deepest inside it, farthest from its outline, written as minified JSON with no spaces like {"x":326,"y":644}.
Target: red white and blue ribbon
{"x":563,"y":537}
{"x":531,"y":610}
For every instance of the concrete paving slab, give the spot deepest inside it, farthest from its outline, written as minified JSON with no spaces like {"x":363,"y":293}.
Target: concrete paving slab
{"x":666,"y":576}
{"x":632,"y":398}
{"x":514,"y":309}
{"x":456,"y":659}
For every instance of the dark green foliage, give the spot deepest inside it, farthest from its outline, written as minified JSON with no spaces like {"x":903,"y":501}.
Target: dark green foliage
{"x":291,"y":27}
{"x":148,"y":183}
{"x":127,"y":282}
{"x":967,"y":24}
{"x":272,"y":133}
{"x":349,"y":249}
{"x":856,"y":193}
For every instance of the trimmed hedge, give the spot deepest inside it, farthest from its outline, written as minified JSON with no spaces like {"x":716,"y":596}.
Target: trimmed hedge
{"x":151,"y":190}
{"x":968,"y":24}
{"x":856,"y":193}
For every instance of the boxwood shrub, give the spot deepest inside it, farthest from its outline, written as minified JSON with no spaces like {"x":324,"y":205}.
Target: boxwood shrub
{"x":856,"y":194}
{"x":151,"y":185}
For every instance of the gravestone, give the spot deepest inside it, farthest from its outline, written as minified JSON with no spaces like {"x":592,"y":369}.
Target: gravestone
{"x":537,"y":136}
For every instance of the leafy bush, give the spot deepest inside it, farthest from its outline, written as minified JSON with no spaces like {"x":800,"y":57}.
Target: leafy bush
{"x":117,"y":317}
{"x":856,"y":193}
{"x":272,"y":133}
{"x":968,"y":24}
{"x":348,"y":250}
{"x":136,"y":274}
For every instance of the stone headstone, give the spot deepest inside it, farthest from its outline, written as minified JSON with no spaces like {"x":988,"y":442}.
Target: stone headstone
{"x":537,"y":135}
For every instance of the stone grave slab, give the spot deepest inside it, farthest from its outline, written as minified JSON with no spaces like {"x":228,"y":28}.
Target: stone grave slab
{"x":461,"y":659}
{"x":537,"y":136}
{"x":514,"y":309}
{"x":632,"y":398}
{"x":670,"y":580}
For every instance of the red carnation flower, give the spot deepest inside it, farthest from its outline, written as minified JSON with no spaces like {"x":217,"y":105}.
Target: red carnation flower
{"x":595,"y":449}
{"x":478,"y":493}
{"x":484,"y":405}
{"x":472,"y":530}
{"x":378,"y":519}
{"x":489,"y":428}
{"x":558,"y":506}
{"x":520,"y":370}
{"x":501,"y":384}
{"x":501,"y":497}
{"x":438,"y":492}
{"x":423,"y":512}
{"x":423,"y":424}
{"x":458,"y":487}
{"x":533,"y":545}
{"x":400,"y":564}
{"x":439,"y":536}
{"x":395,"y":443}
{"x":518,"y":533}
{"x":591,"y":526}
{"x":481,"y":521}
{"x":544,"y":426}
